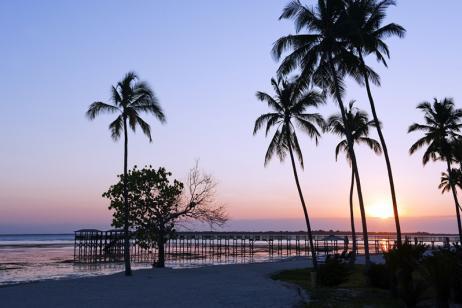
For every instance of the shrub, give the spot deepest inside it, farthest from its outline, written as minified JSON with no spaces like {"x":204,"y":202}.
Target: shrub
{"x":442,"y":270}
{"x":402,"y":263}
{"x":332,"y":273}
{"x":378,"y":276}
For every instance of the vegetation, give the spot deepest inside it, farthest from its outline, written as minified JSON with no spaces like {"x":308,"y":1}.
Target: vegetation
{"x":158,"y":203}
{"x":354,"y":291}
{"x":443,"y":271}
{"x":333,"y":272}
{"x":402,"y":264}
{"x":359,"y":124}
{"x":362,"y":23}
{"x":289,"y":107}
{"x":324,"y":58}
{"x":442,"y":128}
{"x":130,"y":97}
{"x":408,"y":278}
{"x":378,"y":276}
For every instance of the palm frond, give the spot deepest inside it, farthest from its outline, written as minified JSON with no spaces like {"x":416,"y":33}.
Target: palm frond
{"x":373,"y":144}
{"x":296,"y":148}
{"x":264,"y":97}
{"x":262,"y":120}
{"x":273,"y":148}
{"x":116,"y":127}
{"x":97,"y":108}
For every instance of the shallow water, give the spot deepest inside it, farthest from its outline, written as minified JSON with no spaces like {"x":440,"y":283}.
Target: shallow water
{"x":27,"y":258}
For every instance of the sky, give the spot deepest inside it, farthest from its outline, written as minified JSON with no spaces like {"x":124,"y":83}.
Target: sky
{"x":204,"y":60}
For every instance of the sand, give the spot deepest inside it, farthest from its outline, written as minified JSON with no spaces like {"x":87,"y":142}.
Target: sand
{"x":237,"y":285}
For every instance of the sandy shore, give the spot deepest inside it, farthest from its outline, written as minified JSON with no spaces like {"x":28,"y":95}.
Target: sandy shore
{"x":238,"y":285}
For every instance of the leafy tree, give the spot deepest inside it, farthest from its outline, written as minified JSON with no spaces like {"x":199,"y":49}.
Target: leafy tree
{"x":443,"y":123}
{"x":130,"y":97}
{"x":325,"y":58}
{"x":289,"y":109}
{"x":359,"y":123}
{"x":159,"y":204}
{"x":364,"y":31}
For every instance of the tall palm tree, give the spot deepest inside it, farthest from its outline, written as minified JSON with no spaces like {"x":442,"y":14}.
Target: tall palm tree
{"x":289,"y":107}
{"x":323,"y":58}
{"x":129,"y":97}
{"x":359,"y":123}
{"x":364,"y":30}
{"x":443,"y":123}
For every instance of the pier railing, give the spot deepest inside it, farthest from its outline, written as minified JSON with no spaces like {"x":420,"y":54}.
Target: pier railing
{"x":95,"y":246}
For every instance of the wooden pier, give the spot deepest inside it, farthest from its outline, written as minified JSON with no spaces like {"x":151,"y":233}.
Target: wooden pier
{"x":95,"y":246}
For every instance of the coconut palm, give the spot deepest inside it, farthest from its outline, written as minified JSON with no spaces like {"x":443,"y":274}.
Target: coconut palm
{"x":443,"y":123}
{"x":453,"y":178}
{"x":289,"y":107}
{"x":364,"y":30}
{"x":359,"y":123}
{"x":324,"y":58}
{"x":129,"y":97}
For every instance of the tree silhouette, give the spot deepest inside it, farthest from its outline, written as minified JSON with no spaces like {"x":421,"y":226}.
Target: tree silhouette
{"x":363,"y":29}
{"x":359,"y":123}
{"x":443,"y":123}
{"x":289,"y":107}
{"x":453,"y":178}
{"x":158,"y":203}
{"x":129,"y":97}
{"x":324,"y":58}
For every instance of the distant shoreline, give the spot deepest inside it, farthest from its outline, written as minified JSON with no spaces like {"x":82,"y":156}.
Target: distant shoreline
{"x":316,"y":232}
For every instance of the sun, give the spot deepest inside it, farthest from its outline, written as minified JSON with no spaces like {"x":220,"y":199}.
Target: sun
{"x":380,"y":210}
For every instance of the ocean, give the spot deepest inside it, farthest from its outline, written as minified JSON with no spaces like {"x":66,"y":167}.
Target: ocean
{"x":33,"y":257}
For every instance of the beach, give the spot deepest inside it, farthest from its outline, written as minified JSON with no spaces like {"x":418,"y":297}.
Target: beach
{"x":235,"y":285}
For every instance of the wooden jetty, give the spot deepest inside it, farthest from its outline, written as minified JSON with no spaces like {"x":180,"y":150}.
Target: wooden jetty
{"x":95,"y":246}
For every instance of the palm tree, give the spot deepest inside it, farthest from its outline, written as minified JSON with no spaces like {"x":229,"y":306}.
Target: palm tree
{"x":289,"y":107}
{"x":130,"y":97}
{"x":453,"y":178}
{"x":443,"y":123}
{"x":359,"y":123}
{"x":365,"y":32}
{"x":323,"y":58}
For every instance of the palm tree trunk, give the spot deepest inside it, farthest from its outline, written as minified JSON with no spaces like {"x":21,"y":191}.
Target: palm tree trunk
{"x":307,"y":219}
{"x":128,"y":270}
{"x":384,"y":149}
{"x":353,"y":161}
{"x":353,"y":231}
{"x":454,"y":194}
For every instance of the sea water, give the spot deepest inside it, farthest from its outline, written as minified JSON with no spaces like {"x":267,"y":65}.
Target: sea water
{"x":32,"y":257}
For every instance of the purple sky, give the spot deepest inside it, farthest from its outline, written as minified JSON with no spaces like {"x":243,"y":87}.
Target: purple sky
{"x":204,"y":60}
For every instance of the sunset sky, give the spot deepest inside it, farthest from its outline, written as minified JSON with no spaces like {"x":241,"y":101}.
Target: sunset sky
{"x":205,"y":60}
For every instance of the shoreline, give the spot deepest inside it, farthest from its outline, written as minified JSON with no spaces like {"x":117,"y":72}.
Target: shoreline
{"x":231,"y":285}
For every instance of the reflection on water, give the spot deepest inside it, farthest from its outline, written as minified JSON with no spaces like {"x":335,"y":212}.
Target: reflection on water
{"x":25,"y":258}
{"x":26,"y":263}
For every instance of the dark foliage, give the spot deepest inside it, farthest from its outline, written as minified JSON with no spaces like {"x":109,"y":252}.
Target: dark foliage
{"x":158,"y":204}
{"x":442,"y":270}
{"x":378,"y":276}
{"x":402,"y":263}
{"x":333,"y":272}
